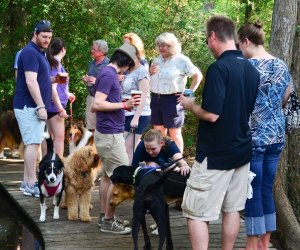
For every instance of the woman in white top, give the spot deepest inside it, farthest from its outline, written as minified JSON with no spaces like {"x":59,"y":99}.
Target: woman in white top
{"x":137,"y":119}
{"x":169,"y":73}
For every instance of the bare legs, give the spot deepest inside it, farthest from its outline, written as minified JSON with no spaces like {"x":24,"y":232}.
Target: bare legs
{"x":198,"y":231}
{"x":230,"y":229}
{"x":199,"y":236}
{"x":130,"y":140}
{"x":56,"y":128}
{"x":256,"y":242}
{"x":175,"y":134}
{"x":105,"y":192}
{"x":30,"y":157}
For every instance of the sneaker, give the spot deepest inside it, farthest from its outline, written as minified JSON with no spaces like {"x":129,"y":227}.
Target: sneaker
{"x":23,"y":186}
{"x":32,"y":190}
{"x":119,"y":220}
{"x":112,"y":226}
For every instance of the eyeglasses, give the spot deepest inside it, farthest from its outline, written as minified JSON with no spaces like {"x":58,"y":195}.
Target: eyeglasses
{"x":163,"y":45}
{"x":206,"y":40}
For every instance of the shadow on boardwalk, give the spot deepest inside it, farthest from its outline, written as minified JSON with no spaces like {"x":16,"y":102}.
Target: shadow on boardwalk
{"x":63,"y":234}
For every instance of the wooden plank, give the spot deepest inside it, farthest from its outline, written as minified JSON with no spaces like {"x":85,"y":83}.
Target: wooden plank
{"x":63,"y":234}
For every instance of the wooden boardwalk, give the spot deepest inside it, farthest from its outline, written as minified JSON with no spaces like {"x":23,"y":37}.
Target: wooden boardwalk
{"x":63,"y":234}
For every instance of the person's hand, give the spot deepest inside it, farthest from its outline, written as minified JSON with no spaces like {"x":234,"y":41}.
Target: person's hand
{"x":184,"y":169}
{"x":186,"y":102}
{"x":121,"y":77}
{"x":133,"y":101}
{"x":134,"y":123}
{"x":63,"y":114}
{"x":41,"y":113}
{"x":72,"y":97}
{"x":90,"y":80}
{"x":84,"y":78}
{"x":53,"y":79}
{"x":153,"y":69}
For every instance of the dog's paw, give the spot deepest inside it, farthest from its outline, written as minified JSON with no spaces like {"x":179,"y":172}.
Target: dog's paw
{"x":56,"y":213}
{"x":55,"y":216}
{"x":154,"y":232}
{"x":63,"y":205}
{"x":153,"y":226}
{"x":86,"y":219}
{"x":42,"y":218}
{"x":91,"y":206}
{"x":72,"y":217}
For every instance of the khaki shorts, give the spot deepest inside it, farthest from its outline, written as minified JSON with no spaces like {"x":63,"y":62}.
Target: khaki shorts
{"x":209,"y":191}
{"x":90,"y":118}
{"x":112,"y":151}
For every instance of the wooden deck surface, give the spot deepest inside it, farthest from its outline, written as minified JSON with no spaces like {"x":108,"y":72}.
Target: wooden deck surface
{"x":63,"y":234}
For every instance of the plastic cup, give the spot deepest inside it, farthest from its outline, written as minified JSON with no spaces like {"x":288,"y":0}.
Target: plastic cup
{"x":62,"y":77}
{"x":136,"y":92}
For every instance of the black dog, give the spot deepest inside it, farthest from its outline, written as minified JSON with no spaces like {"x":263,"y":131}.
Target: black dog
{"x":151,"y":188}
{"x":50,"y":180}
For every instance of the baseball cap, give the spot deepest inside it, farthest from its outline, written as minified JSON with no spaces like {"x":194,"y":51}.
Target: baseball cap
{"x":43,"y":26}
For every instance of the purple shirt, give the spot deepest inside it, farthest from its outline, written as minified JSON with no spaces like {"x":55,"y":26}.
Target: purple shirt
{"x":109,"y":122}
{"x":61,"y":88}
{"x":34,"y":60}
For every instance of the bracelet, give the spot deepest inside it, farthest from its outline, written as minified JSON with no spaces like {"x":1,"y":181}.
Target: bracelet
{"x":124,"y":105}
{"x":39,"y":107}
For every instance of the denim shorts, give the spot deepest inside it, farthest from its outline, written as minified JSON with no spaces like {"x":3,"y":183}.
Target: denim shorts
{"x":31,"y":127}
{"x":144,"y":122}
{"x":166,"y":111}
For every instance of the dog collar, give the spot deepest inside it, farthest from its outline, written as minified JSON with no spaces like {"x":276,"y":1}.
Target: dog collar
{"x":51,"y":190}
{"x":137,"y":170}
{"x":135,"y":173}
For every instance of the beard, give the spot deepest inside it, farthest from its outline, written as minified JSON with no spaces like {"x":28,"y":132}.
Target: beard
{"x":41,"y":44}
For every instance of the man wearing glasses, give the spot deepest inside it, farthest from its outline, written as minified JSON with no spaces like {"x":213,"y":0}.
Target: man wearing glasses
{"x":31,"y":100}
{"x":219,"y":176}
{"x":99,"y":51}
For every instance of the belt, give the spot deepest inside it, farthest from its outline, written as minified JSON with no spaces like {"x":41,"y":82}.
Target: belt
{"x":158,"y":95}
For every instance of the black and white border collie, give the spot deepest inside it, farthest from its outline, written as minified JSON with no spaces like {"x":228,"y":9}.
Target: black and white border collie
{"x":50,"y":180}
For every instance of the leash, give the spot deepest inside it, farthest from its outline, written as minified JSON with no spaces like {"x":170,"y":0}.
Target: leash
{"x":166,"y":172}
{"x":71,"y":113}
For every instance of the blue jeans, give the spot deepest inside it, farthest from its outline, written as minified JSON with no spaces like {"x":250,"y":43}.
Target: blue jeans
{"x":260,"y":209}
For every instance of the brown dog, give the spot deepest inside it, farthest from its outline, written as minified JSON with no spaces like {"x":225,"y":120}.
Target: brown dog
{"x":77,"y":136}
{"x":80,"y":172}
{"x":10,"y":135}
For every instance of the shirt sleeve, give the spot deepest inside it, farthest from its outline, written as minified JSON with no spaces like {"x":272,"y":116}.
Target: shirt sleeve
{"x":103,"y":84}
{"x":30,"y":61}
{"x":139,"y":154}
{"x":214,"y":91}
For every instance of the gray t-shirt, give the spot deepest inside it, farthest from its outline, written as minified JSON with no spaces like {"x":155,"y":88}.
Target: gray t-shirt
{"x":131,"y":82}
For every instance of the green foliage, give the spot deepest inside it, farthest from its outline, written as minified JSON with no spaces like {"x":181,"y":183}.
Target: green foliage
{"x":82,"y":21}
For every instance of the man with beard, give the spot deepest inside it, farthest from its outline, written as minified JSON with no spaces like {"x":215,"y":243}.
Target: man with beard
{"x":31,"y":100}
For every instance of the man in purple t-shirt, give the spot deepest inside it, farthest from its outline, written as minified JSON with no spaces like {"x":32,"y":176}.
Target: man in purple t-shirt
{"x":110,"y":126}
{"x":31,"y":99}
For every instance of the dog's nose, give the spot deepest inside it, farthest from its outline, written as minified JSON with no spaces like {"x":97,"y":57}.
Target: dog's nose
{"x":52,"y":179}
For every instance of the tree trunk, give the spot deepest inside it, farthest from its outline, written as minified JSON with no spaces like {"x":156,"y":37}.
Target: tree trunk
{"x":283,"y":45}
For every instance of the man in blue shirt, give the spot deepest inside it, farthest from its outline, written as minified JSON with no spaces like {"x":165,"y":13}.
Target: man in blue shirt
{"x":219,"y":176}
{"x":31,"y":100}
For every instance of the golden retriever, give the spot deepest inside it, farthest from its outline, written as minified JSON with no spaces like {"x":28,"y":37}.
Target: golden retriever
{"x":80,"y":172}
